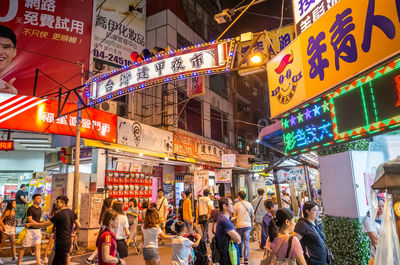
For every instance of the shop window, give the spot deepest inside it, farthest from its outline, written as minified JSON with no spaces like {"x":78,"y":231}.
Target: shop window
{"x":190,"y":118}
{"x":218,"y":84}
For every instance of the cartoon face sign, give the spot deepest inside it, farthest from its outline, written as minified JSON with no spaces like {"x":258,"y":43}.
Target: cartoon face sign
{"x":288,"y":79}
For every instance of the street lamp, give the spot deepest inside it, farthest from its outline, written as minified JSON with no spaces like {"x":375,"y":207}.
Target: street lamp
{"x":256,"y":58}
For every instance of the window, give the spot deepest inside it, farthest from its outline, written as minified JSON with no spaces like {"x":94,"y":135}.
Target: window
{"x":218,"y":85}
{"x":182,"y":42}
{"x":240,"y":142}
{"x":219,"y":126}
{"x":190,"y":118}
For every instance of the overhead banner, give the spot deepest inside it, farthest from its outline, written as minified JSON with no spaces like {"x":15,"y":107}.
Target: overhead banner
{"x":38,"y":115}
{"x":139,"y":135}
{"x":306,"y":12}
{"x":291,"y":174}
{"x":119,"y":28}
{"x":51,"y":37}
{"x":195,"y":87}
{"x":191,"y":62}
{"x":223,"y":175}
{"x":348,"y":40}
{"x":279,"y":39}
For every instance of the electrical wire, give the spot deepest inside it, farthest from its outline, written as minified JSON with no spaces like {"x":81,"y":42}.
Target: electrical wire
{"x":269,"y":16}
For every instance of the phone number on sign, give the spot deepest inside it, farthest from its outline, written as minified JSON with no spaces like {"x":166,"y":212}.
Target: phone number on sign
{"x":111,"y":57}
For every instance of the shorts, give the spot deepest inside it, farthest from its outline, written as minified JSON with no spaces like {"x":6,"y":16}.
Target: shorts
{"x":33,"y":237}
{"x":150,"y":253}
{"x":9,"y":230}
{"x":20,"y":211}
{"x":122,"y":248}
{"x":61,"y":254}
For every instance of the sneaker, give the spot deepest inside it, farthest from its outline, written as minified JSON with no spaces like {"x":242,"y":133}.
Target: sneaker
{"x":246,"y":261}
{"x":14,"y":259}
{"x":88,"y":261}
{"x":1,"y":262}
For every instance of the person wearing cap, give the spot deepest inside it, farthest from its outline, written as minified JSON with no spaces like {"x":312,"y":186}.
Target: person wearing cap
{"x":20,"y":199}
{"x":8,"y":42}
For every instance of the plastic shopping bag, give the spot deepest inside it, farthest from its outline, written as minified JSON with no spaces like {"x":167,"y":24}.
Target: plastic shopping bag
{"x":22,"y":235}
{"x":234,"y":253}
{"x":388,"y":249}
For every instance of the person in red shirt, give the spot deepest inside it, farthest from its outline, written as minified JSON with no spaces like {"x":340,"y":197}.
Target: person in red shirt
{"x":107,"y":242}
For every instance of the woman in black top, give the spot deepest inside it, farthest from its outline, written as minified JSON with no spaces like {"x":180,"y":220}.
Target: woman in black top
{"x":311,"y":236}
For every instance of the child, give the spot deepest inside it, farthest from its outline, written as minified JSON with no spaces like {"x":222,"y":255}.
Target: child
{"x":181,"y":246}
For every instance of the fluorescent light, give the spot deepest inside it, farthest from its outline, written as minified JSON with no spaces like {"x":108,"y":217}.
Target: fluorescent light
{"x":41,"y":149}
{"x":141,"y":154}
{"x":31,"y":140}
{"x":35,"y":145}
{"x":166,"y":158}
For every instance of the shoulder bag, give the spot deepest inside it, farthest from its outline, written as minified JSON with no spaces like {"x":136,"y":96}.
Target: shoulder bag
{"x":270,"y":257}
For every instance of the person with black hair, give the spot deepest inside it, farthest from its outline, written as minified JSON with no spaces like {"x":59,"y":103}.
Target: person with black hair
{"x":203,"y":214}
{"x":162,"y":209}
{"x":8,"y":43}
{"x":63,"y":222}
{"x":121,"y":229}
{"x":280,"y":240}
{"x":225,"y":231}
{"x":259,"y":213}
{"x":20,"y":209}
{"x":187,"y":212}
{"x":8,"y":224}
{"x":269,"y":207}
{"x":311,"y":235}
{"x":180,"y":209}
{"x":132,"y":213}
{"x":181,"y":245}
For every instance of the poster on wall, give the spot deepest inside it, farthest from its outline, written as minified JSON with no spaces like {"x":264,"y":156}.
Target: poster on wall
{"x":223,"y":175}
{"x":200,"y":182}
{"x":119,"y":28}
{"x":228,"y":160}
{"x":49,"y":38}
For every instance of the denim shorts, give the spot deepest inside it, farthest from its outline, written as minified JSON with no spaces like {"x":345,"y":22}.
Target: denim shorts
{"x":150,"y":253}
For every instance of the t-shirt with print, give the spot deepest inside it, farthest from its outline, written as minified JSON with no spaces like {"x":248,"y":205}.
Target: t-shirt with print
{"x":224,"y":225}
{"x":311,"y":241}
{"x":36,"y":213}
{"x":119,"y":230}
{"x":295,"y":250}
{"x":180,"y":250}
{"x":107,"y":237}
{"x":150,"y":237}
{"x":243,"y":211}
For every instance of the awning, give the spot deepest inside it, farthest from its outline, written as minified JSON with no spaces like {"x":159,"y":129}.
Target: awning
{"x":271,"y":137}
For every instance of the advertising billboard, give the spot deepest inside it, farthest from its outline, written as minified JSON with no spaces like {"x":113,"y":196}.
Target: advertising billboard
{"x":42,"y":44}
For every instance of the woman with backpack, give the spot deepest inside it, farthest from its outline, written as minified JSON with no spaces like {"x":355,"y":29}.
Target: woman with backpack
{"x":281,"y":245}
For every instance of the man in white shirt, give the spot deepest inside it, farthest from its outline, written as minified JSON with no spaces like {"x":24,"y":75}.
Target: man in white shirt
{"x":259,"y":212}
{"x":286,"y":201}
{"x":203,"y":214}
{"x":162,"y":209}
{"x":244,"y":213}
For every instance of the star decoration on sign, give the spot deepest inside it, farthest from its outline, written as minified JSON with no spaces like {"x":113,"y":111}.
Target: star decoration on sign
{"x":292,"y":120}
{"x":300,"y":117}
{"x":285,"y":123}
{"x":307,"y":113}
{"x":325,"y":106}
{"x":317,"y":110}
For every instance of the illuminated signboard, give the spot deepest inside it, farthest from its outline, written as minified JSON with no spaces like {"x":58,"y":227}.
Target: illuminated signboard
{"x":6,"y":145}
{"x":366,"y":106}
{"x":309,"y":127}
{"x":202,"y":59}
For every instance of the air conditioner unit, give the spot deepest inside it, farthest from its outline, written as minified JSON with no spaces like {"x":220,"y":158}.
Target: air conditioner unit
{"x":109,"y":106}
{"x":122,"y":110}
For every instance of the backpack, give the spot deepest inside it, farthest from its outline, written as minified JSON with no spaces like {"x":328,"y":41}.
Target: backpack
{"x":270,"y":257}
{"x":200,"y":252}
{"x":215,"y":254}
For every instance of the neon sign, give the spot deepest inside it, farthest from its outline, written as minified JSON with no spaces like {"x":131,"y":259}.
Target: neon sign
{"x":6,"y":145}
{"x":202,"y":59}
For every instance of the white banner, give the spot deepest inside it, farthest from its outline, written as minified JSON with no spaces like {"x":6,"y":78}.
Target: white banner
{"x":295,"y":174}
{"x":139,"y":135}
{"x":228,"y":160}
{"x":223,"y":175}
{"x":164,"y":68}
{"x":200,"y":182}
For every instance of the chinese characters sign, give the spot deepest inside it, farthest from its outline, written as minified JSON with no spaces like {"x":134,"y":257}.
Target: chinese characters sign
{"x":291,"y":174}
{"x":52,"y":36}
{"x":307,"y":128}
{"x":279,"y":39}
{"x":197,"y":61}
{"x":39,"y":114}
{"x":195,"y":87}
{"x":223,"y":175}
{"x":350,"y":38}
{"x":6,"y":145}
{"x":119,"y":27}
{"x":306,"y":12}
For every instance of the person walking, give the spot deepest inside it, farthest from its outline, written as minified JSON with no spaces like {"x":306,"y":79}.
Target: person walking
{"x":121,"y":230}
{"x":133,"y":214}
{"x":225,"y":231}
{"x":150,"y":233}
{"x":50,"y":244}
{"x":279,"y":237}
{"x":162,"y":209}
{"x":373,"y":229}
{"x":33,"y":235}
{"x":269,"y":207}
{"x":106,"y":206}
{"x":8,"y":222}
{"x":286,"y":201}
{"x":187,"y":212}
{"x":180,"y":209}
{"x":106,"y":242}
{"x":244,"y":213}
{"x":20,"y":199}
{"x":311,"y":236}
{"x":204,"y":211}
{"x":259,"y":213}
{"x":181,"y":245}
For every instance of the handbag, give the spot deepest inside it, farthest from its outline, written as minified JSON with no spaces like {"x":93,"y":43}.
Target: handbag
{"x":22,"y":235}
{"x":270,"y":257}
{"x":233,"y":250}
{"x":203,"y":219}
